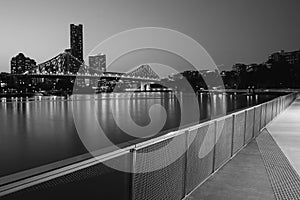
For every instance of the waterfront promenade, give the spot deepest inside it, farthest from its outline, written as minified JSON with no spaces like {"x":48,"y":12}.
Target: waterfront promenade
{"x":234,"y":157}
{"x":285,"y":130}
{"x":267,"y":168}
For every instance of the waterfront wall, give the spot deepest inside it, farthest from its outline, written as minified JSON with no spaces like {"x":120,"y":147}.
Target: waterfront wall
{"x":208,"y":147}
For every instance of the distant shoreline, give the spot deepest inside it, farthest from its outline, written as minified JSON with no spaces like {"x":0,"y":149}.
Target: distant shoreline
{"x":228,"y":91}
{"x":9,"y":95}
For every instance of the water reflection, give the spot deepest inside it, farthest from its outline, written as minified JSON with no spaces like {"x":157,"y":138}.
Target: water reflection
{"x":40,"y":130}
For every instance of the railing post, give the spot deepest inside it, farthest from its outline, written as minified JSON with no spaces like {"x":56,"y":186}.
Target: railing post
{"x":253,"y":123}
{"x":214,"y":147}
{"x":261,"y":108}
{"x":133,"y":171}
{"x":232,"y":138}
{"x":185,"y":162}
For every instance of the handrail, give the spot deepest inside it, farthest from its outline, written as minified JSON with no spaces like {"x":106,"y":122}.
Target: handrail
{"x":30,"y":181}
{"x":37,"y":179}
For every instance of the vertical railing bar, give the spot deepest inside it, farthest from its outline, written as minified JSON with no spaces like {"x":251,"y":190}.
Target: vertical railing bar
{"x":259,"y":124}
{"x":232,"y":138}
{"x":133,"y":172}
{"x":245,"y":126}
{"x":265,"y":119}
{"x":214,"y":147}
{"x":186,"y":162}
{"x":253,"y":124}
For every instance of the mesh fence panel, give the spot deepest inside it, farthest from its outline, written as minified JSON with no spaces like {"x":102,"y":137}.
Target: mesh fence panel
{"x":257,"y":120}
{"x":249,"y":125}
{"x":278,"y":106}
{"x":239,"y":131}
{"x":95,"y":181}
{"x":223,"y":141}
{"x":200,"y":167}
{"x":274,"y":109}
{"x":167,"y":182}
{"x":263,"y":116}
{"x":269,"y":112}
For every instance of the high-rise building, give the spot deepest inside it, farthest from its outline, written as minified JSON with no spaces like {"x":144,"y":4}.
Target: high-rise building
{"x":21,"y":64}
{"x":292,"y":57}
{"x":98,"y":62}
{"x":76,"y":41}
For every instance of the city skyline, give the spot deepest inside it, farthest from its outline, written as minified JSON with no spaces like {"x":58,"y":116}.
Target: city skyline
{"x":252,"y":30}
{"x":149,"y":99}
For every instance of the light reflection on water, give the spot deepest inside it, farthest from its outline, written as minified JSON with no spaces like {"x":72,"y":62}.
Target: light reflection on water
{"x":40,"y":130}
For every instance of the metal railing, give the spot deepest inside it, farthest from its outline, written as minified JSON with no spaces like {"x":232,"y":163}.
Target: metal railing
{"x":207,"y":147}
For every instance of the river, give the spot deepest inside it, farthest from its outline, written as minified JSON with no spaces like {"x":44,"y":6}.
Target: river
{"x":41,"y":130}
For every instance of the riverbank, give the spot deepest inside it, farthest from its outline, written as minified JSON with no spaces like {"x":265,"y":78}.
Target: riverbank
{"x":10,"y":95}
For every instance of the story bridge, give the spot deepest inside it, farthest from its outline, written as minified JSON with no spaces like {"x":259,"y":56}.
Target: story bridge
{"x":66,"y":66}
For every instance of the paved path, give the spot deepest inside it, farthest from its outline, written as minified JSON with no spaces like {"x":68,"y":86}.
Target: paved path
{"x":242,"y":178}
{"x":285,"y":130}
{"x":268,"y":168}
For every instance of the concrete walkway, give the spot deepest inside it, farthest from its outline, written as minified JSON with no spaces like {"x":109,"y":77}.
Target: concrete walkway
{"x":285,"y":130}
{"x":242,"y":178}
{"x":268,"y":168}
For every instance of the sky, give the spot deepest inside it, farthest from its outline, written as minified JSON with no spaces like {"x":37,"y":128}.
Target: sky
{"x":231,"y":31}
